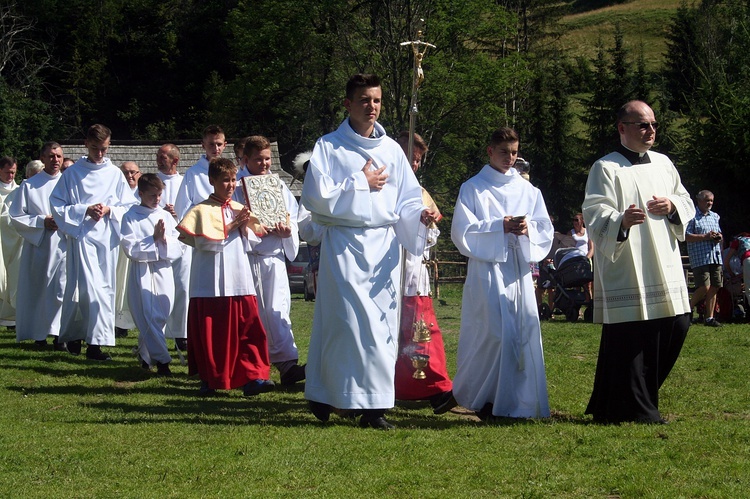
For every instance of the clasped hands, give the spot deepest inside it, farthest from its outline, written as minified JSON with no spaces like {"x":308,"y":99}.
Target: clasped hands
{"x":517,"y":227}
{"x":97,"y":211}
{"x":635,"y":216}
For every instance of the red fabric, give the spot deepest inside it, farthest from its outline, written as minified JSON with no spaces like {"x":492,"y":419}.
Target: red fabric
{"x":226,"y":341}
{"x":413,"y":309}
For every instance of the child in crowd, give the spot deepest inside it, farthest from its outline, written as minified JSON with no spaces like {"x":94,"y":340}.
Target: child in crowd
{"x":227,"y":341}
{"x":269,"y":268}
{"x":88,"y":204}
{"x":501,"y":224}
{"x":149,"y":239}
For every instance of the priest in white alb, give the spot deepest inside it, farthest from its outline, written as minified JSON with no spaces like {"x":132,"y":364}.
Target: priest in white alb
{"x":40,"y":292}
{"x":501,"y":224}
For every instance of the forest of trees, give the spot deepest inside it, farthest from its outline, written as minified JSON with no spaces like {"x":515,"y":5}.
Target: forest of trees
{"x":164,"y":69}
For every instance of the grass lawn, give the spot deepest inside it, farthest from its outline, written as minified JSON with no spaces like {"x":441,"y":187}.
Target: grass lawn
{"x":644,"y":23}
{"x":73,"y":428}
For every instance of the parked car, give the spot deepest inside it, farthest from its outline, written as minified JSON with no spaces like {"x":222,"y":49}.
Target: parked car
{"x":296,"y":269}
{"x":311,"y":273}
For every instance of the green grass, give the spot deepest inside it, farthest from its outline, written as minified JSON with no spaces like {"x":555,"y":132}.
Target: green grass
{"x":644,"y":23}
{"x":72,"y":428}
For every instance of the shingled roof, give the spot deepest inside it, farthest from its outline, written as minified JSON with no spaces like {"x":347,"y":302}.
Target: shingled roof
{"x":144,"y":154}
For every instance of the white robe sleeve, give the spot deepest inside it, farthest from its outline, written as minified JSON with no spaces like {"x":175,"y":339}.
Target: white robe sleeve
{"x":601,"y":212}
{"x":291,"y":244}
{"x":345,"y":200}
{"x":308,"y":230}
{"x":28,"y":226}
{"x":684,"y":206}
{"x":482,"y":239}
{"x":68,"y":214}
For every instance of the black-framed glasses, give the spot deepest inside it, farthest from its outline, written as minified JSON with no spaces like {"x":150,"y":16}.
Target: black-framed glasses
{"x":643,"y":125}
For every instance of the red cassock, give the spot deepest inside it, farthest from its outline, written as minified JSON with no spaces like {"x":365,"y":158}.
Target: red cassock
{"x":227,"y":342}
{"x":415,"y":308}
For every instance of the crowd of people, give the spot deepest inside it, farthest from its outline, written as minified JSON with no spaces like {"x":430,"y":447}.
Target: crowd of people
{"x":185,"y":257}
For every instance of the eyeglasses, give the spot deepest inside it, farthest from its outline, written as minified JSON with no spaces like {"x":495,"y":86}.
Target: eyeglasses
{"x":643,"y":125}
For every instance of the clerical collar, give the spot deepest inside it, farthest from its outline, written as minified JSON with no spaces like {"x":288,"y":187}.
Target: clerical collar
{"x":635,"y":158}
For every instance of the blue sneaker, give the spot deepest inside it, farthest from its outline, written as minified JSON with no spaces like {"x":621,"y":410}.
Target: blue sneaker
{"x":258,"y":386}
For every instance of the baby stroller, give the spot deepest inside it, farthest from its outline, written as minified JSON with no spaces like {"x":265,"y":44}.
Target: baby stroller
{"x":570,"y":280}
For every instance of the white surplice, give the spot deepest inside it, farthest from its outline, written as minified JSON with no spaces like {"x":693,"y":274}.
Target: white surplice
{"x":88,"y":311}
{"x":272,"y":282}
{"x":194,"y":189}
{"x":10,"y":256}
{"x":641,"y":278}
{"x":123,"y":317}
{"x":354,"y":340}
{"x":177,"y":322}
{"x":150,"y":279}
{"x":500,"y":358}
{"x":40,"y":292}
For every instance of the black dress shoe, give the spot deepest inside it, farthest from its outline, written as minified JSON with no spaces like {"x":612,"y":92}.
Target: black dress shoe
{"x":94,"y":352}
{"x":121,"y":332}
{"x":293,"y":375}
{"x":58,"y":345}
{"x":163,"y":369}
{"x":377,"y":422}
{"x":74,"y":347}
{"x":485,"y":413}
{"x":258,"y":386}
{"x":41,"y":344}
{"x":181,"y":344}
{"x":320,"y":410}
{"x":205,"y":390}
{"x":443,"y":402}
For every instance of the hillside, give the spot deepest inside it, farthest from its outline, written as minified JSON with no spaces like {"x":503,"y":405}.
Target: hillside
{"x":643,"y":22}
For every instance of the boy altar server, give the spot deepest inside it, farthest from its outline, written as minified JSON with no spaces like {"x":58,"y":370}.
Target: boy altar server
{"x":88,"y":204}
{"x":360,"y":188}
{"x":149,"y":239}
{"x":227,"y":341}
{"x":417,"y":311}
{"x":501,"y":224}
{"x":269,"y":268}
{"x":167,"y":159}
{"x":40,"y":292}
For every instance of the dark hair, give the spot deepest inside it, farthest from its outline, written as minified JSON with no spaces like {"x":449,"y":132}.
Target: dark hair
{"x":360,"y":80}
{"x":212,"y":130}
{"x":98,"y":133}
{"x":503,"y":134}
{"x":255,"y":143}
{"x":7,"y":161}
{"x":219,"y":166}
{"x":150,"y":180}
{"x":48,"y":146}
{"x":239,"y":146}
{"x":580,"y":215}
